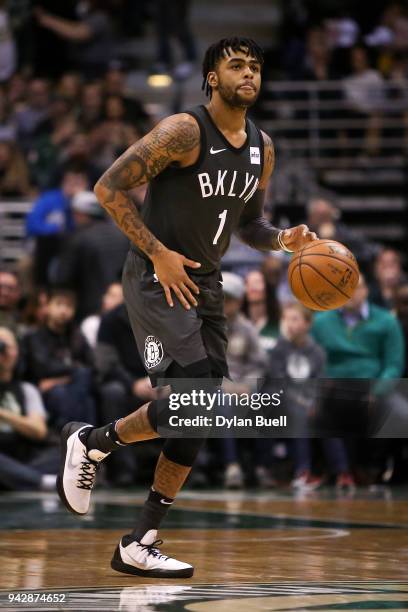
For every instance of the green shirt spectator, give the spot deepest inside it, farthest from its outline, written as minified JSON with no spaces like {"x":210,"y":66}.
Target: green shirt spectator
{"x":361,"y":341}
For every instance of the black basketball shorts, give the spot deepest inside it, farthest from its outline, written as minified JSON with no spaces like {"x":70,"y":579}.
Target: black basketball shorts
{"x":194,"y":339}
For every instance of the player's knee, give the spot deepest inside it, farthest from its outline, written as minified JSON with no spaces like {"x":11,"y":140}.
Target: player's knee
{"x":183,"y":451}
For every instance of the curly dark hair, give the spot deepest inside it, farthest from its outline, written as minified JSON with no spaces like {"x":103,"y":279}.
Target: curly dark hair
{"x":223,"y":47}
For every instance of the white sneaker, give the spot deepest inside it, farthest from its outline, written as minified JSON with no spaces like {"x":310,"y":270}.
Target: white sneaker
{"x":78,"y":469}
{"x":144,"y":559}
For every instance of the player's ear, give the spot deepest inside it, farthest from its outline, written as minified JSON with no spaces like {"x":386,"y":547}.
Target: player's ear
{"x":212,"y":79}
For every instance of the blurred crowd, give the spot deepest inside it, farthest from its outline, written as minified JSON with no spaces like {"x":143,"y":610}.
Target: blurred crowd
{"x":67,"y":353}
{"x":66,"y":348}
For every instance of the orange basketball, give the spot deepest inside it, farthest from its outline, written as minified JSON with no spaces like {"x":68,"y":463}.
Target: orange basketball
{"x":323,"y":275}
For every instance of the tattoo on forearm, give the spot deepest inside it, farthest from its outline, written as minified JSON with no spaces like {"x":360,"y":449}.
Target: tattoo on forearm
{"x":139,"y":164}
{"x":169,"y":477}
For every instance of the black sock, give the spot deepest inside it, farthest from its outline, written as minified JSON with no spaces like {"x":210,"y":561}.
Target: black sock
{"x":154,"y":510}
{"x":103,"y":438}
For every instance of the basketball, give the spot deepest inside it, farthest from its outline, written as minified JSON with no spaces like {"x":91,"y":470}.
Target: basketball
{"x":323,"y":275}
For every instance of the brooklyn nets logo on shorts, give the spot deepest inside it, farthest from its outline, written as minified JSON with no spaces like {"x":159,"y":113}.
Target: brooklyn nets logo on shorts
{"x":153,"y":352}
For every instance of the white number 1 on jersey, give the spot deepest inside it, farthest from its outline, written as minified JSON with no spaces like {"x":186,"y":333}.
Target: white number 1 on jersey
{"x":222,"y":217}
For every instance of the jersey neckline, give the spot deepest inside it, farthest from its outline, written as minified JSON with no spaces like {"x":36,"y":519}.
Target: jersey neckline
{"x":221,"y":135}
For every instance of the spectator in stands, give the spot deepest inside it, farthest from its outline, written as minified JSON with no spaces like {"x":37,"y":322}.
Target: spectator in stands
{"x":246,"y":363}
{"x":91,"y":37}
{"x":274,"y":268}
{"x":50,"y":220}
{"x":35,"y":310}
{"x":362,"y":341}
{"x":93,"y":255}
{"x":364,"y":91}
{"x":323,"y":217}
{"x":58,"y":359}
{"x":297,"y":358}
{"x":69,"y":87}
{"x":388,"y":275}
{"x":116,"y":123}
{"x":8,"y":50}
{"x":25,"y":462}
{"x":34,"y":111}
{"x":14,"y":175}
{"x":47,"y":142}
{"x":91,"y":107}
{"x":112,"y":298}
{"x":123,"y":384}
{"x":172,"y":21}
{"x":10,"y":296}
{"x":77,"y":153}
{"x":8,"y":130}
{"x":115,"y":85}
{"x":401,"y":310}
{"x":262,"y":307}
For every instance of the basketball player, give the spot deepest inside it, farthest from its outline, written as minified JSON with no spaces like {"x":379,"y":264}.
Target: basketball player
{"x":207,"y":171}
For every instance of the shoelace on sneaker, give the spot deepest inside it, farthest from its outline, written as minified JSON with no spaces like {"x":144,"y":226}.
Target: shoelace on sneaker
{"x":87,"y":473}
{"x":152,"y":551}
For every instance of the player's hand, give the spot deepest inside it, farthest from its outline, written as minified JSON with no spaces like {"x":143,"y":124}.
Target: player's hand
{"x":297,"y":237}
{"x":169,"y":269}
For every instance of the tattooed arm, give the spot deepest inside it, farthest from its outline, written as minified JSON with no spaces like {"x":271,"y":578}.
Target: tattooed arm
{"x":255,"y":230}
{"x":175,"y":139}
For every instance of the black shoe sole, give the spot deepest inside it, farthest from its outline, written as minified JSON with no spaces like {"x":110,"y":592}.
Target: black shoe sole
{"x":118,"y":565}
{"x":66,"y":431}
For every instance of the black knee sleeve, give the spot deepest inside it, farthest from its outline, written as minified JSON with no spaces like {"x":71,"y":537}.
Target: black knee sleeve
{"x":182,"y":451}
{"x":155,"y":408}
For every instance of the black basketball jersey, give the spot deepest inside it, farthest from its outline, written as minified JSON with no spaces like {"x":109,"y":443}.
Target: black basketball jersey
{"x":194,"y":210}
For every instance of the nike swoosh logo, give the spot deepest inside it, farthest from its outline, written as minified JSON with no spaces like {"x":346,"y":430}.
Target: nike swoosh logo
{"x":163,"y":501}
{"x":213,"y":151}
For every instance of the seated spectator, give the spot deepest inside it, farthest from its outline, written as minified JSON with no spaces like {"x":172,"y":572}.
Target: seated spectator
{"x":14,"y":175}
{"x":246,"y":363}
{"x":401,"y":310}
{"x":34,"y":111}
{"x":7,"y":127}
{"x":274,"y":269}
{"x":365,"y":93}
{"x":91,"y":106}
{"x":58,"y":360}
{"x":388,"y":275}
{"x":123,"y":384}
{"x":10,"y":296}
{"x":110,"y":300}
{"x":323,"y":217}
{"x":262,"y":307}
{"x":116,"y":124}
{"x":93,"y":255}
{"x":77,"y":153}
{"x":8,"y":47}
{"x":296,"y":357}
{"x":48,"y":141}
{"x":50,"y":219}
{"x":69,"y":87}
{"x":362,"y":341}
{"x":25,"y":462}
{"x":115,"y":85}
{"x":35,"y":310}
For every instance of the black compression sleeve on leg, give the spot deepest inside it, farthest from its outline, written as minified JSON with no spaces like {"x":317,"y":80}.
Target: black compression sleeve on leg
{"x":182,"y":451}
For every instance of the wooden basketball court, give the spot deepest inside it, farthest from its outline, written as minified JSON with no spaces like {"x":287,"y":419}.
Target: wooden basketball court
{"x":251,"y":552}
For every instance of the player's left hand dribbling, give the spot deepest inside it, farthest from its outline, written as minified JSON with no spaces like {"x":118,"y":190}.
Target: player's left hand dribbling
{"x":297,"y":237}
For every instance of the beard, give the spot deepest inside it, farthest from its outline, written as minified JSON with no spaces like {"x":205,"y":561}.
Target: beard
{"x":234,"y":99}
